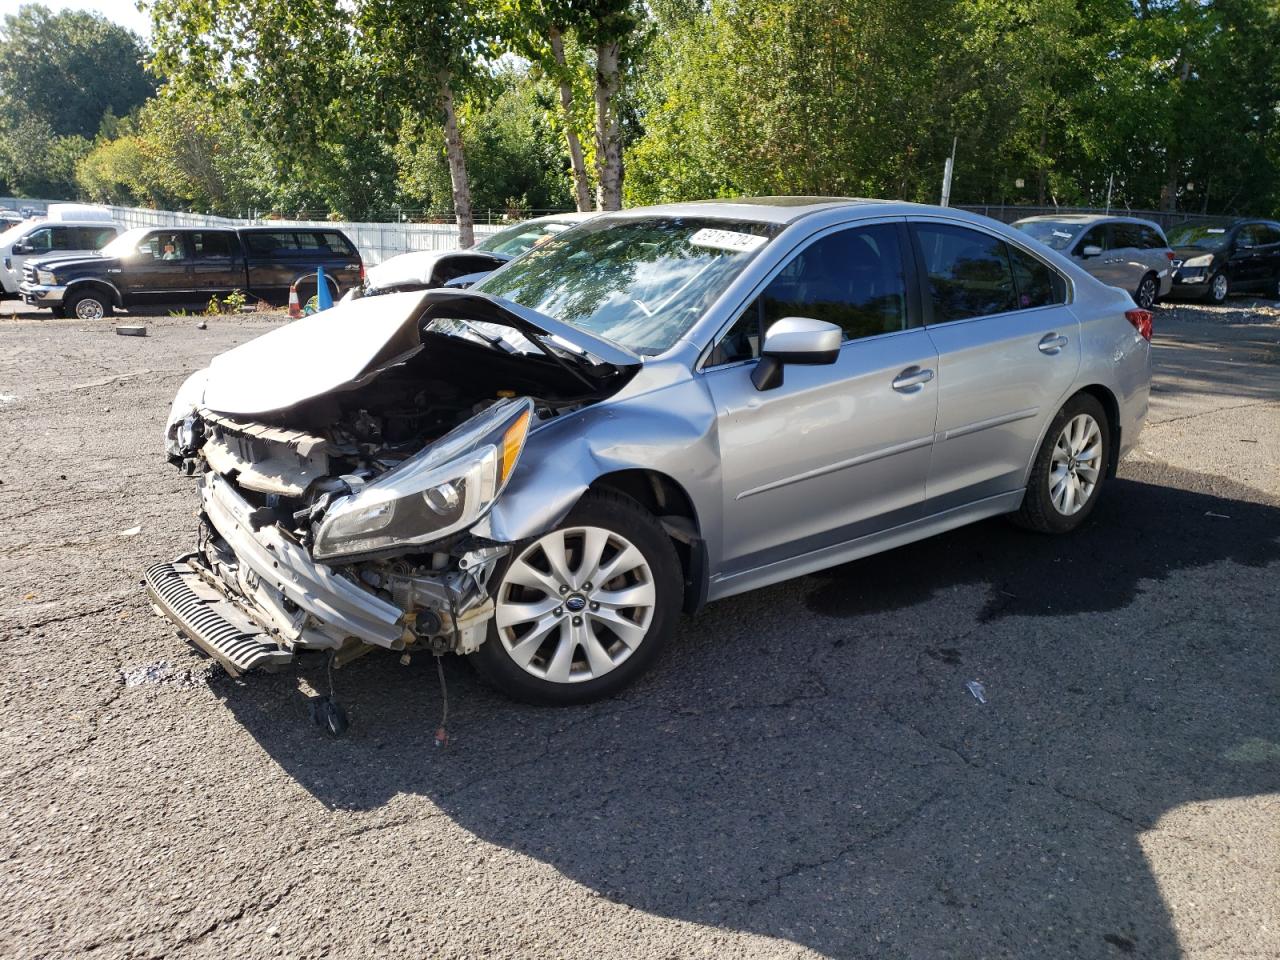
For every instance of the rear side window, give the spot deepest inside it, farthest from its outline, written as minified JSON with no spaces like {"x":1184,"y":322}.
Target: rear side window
{"x":968,"y":272}
{"x":93,"y":238}
{"x":1151,"y":239}
{"x":1038,"y":285}
{"x":212,"y":244}
{"x":337,"y":243}
{"x":1127,"y":235}
{"x":1096,"y":237}
{"x":272,"y":242}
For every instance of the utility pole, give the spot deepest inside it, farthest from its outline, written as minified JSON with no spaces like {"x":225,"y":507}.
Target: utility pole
{"x":1110,"y":180}
{"x":946,"y":173}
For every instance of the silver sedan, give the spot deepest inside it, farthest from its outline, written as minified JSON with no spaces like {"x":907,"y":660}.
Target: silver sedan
{"x":650,"y":411}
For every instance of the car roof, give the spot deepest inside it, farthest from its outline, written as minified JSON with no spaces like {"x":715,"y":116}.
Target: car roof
{"x":780,"y":210}
{"x":1087,"y":218}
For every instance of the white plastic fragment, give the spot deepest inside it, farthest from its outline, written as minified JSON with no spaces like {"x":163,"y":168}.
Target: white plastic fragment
{"x":978,"y":690}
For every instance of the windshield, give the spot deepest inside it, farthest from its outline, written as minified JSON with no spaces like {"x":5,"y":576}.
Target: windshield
{"x":1052,"y":233}
{"x":515,"y":240}
{"x":126,"y":243}
{"x":638,"y":282}
{"x":1204,"y":236}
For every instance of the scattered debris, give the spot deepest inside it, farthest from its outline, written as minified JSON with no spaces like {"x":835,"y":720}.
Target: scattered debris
{"x":6,"y":399}
{"x":202,"y":325}
{"x":978,"y":690}
{"x":131,"y":329}
{"x":131,"y":532}
{"x":1220,"y":516}
{"x":118,"y":378}
{"x":163,"y":673}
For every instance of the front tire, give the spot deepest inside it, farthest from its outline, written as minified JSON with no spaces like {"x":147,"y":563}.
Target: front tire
{"x":1219,"y":287}
{"x":1148,"y":290}
{"x":585,"y":609}
{"x":88,"y":305}
{"x":1070,"y":469}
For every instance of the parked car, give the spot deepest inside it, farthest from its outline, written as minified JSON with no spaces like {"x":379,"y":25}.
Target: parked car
{"x":189,"y":265}
{"x":1123,"y":252}
{"x":69,"y":230}
{"x":425,"y":269}
{"x":657,"y":409}
{"x":1213,"y":259}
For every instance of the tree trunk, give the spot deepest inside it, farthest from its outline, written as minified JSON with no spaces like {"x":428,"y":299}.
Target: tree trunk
{"x":608,"y":134}
{"x":457,"y":165}
{"x":1169,"y":192}
{"x":581,"y":185}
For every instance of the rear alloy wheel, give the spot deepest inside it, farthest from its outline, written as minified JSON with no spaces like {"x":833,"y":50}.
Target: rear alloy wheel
{"x":1069,"y":470}
{"x":1219,"y":288}
{"x":1147,"y":291}
{"x":89,"y":305}
{"x":583,"y":610}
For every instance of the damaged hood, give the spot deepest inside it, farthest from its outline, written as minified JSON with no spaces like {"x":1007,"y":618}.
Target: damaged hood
{"x":344,"y":346}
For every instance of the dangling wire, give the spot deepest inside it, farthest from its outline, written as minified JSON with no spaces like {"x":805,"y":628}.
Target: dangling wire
{"x":442,"y":734}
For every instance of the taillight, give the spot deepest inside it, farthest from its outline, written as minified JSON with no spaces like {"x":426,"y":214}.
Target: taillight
{"x":363,"y":277}
{"x":1169,"y":254}
{"x":1141,"y":320}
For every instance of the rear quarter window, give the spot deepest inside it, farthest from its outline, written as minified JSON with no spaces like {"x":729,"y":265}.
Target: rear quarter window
{"x":272,"y":243}
{"x":337,"y":243}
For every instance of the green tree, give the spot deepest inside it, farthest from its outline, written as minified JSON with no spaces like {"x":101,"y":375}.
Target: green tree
{"x":36,"y":162}
{"x":69,"y":69}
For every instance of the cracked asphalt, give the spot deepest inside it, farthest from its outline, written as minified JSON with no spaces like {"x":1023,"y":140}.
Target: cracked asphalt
{"x":804,"y":774}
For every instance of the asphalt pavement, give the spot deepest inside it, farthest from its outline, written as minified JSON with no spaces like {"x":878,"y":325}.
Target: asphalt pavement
{"x":806,"y":772}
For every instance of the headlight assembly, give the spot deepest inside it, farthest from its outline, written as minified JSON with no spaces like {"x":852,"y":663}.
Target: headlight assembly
{"x":1203,"y":261}
{"x":189,"y":396}
{"x":46,"y":277}
{"x":445,"y":488}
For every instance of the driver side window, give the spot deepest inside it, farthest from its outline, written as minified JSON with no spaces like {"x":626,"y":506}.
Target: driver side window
{"x":853,"y":278}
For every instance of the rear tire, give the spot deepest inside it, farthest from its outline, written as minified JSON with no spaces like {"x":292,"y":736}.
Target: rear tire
{"x":556,"y":637}
{"x":1070,"y":469}
{"x":1148,"y":290}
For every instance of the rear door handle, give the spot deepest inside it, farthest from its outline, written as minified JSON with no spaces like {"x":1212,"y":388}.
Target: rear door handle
{"x":912,"y":380}
{"x":1052,"y":343}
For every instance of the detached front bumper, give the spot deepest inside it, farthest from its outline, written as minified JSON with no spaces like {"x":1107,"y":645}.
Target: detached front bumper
{"x":251,"y":597}
{"x":42,"y":295}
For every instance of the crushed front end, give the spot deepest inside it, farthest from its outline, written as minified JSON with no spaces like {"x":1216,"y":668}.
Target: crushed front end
{"x":341,"y":521}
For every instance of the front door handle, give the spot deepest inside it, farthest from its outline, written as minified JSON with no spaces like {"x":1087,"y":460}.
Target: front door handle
{"x":912,"y":380}
{"x":1052,"y":343}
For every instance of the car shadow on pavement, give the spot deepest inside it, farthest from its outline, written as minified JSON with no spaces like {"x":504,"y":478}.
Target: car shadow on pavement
{"x":806,"y":763}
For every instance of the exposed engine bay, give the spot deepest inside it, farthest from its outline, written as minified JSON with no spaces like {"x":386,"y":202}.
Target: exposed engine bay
{"x":340,"y":522}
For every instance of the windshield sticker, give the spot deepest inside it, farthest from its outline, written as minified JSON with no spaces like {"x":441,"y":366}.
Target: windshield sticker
{"x":1063,"y":234}
{"x":1216,"y":230}
{"x":730,"y":240}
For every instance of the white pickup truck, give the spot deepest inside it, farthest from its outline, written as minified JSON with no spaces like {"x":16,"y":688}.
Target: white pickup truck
{"x":68,"y":229}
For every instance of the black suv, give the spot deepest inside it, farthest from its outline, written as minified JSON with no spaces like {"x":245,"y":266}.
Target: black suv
{"x":189,"y":265}
{"x":1212,"y":259}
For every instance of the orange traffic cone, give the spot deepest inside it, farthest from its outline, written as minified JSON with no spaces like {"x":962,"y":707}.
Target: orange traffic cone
{"x":295,"y":310}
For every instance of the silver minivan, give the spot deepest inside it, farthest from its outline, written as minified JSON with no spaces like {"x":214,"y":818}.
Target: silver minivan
{"x":1123,"y":252}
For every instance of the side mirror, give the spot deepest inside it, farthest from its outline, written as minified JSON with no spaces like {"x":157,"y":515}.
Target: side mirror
{"x":1092,"y":250}
{"x":795,"y":340}
{"x":23,"y":248}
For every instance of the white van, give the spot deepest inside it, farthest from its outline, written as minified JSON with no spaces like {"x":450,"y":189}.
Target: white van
{"x":70,"y":229}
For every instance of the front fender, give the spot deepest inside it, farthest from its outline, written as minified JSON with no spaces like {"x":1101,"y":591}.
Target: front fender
{"x":670,"y":430}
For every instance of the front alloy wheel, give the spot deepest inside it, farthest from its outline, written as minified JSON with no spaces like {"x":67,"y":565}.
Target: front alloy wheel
{"x":1147,"y":290}
{"x":1218,"y":288}
{"x":89,"y":306}
{"x":581,"y":611}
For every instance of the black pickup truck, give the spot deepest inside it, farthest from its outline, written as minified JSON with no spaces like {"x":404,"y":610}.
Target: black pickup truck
{"x":189,"y":265}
